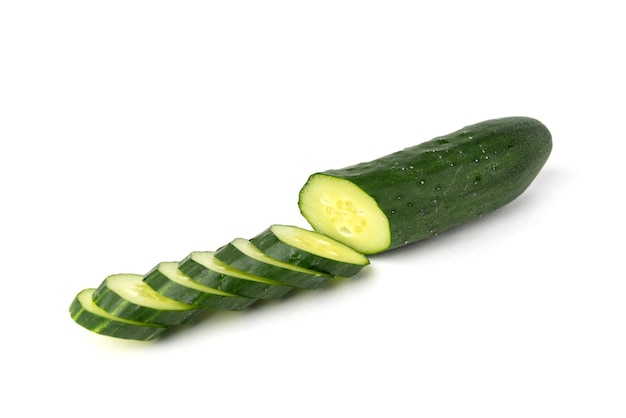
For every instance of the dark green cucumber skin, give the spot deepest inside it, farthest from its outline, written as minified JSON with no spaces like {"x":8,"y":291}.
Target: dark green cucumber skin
{"x":271,"y":245}
{"x":231,"y":284}
{"x":164,"y":286}
{"x":111,"y":302}
{"x":231,"y":255}
{"x":450,"y":180}
{"x":111,"y":328}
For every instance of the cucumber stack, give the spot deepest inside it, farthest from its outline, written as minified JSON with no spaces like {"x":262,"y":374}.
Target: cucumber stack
{"x":364,"y":209}
{"x":267,"y":266}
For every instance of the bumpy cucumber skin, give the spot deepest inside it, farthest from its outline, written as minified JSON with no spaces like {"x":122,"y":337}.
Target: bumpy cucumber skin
{"x":231,"y":255}
{"x":114,"y":304}
{"x":164,"y":286}
{"x":112,"y":328}
{"x":450,"y":180}
{"x":271,"y":245}
{"x":231,"y":284}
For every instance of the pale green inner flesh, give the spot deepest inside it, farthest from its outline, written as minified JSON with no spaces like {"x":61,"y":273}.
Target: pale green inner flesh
{"x":208,"y":260}
{"x":250,"y":250}
{"x":171,"y":271}
{"x":318,"y":244}
{"x":338,"y":208}
{"x":86,"y":300}
{"x":132,"y":288}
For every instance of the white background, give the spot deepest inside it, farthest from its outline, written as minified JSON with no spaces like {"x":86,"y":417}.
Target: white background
{"x":135,"y":132}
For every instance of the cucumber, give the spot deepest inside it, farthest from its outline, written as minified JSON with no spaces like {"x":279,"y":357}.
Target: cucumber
{"x":90,"y":316}
{"x":310,"y":249}
{"x":128,"y":296}
{"x":202,"y":267}
{"x":426,"y":189}
{"x":169,"y":281}
{"x":241,"y":254}
{"x":364,"y":209}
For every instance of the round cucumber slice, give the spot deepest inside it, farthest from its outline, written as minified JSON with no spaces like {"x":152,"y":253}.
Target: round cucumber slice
{"x":243,"y":255}
{"x":203,"y":267}
{"x":310,"y":249}
{"x":90,"y":316}
{"x":127,"y":296}
{"x":168,"y":280}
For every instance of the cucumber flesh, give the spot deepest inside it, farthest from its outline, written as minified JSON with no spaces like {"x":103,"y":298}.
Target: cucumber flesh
{"x":243,"y":255}
{"x":90,"y":316}
{"x":339,"y":209}
{"x":310,"y":249}
{"x":129,"y":297}
{"x":167,"y":279}
{"x":204,"y":268}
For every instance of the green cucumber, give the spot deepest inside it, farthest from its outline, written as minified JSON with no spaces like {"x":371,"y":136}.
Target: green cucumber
{"x":241,"y":254}
{"x":426,"y":189}
{"x":128,"y":296}
{"x":202,"y":267}
{"x":310,"y":249}
{"x":169,"y":281}
{"x":90,"y":316}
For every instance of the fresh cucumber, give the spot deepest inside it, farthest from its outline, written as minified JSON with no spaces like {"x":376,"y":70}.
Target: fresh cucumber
{"x":90,"y":316}
{"x":241,"y":254}
{"x":202,"y":267}
{"x":128,"y":296}
{"x":169,"y":281}
{"x":363,"y":209}
{"x":423,"y":190}
{"x":310,"y":249}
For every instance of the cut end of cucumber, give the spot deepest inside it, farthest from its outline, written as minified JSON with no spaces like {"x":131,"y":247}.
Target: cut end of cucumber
{"x":338,"y":208}
{"x":318,"y":244}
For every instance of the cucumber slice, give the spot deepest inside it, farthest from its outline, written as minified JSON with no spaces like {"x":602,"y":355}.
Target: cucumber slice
{"x":204,"y":268}
{"x":310,"y":250}
{"x":127,"y":296}
{"x":168,"y":280}
{"x":90,"y":316}
{"x":241,"y":254}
